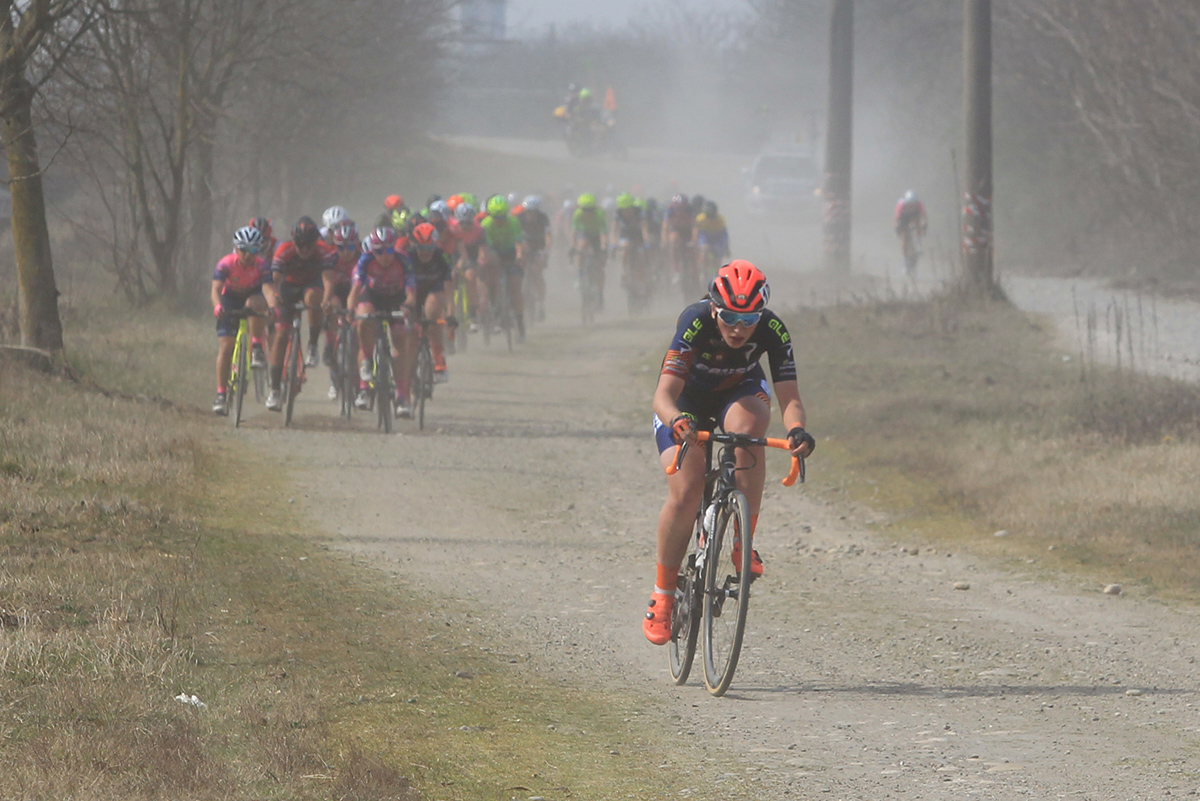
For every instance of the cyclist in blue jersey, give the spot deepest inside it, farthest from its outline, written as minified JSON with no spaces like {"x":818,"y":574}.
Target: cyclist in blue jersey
{"x":711,"y":377}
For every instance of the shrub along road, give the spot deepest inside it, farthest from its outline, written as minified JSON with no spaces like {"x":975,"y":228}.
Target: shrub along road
{"x":873,"y":666}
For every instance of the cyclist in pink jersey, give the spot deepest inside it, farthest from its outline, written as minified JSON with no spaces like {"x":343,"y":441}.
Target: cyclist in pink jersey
{"x":470,"y":237}
{"x":337,"y":282}
{"x":242,"y":279}
{"x":383,"y":281}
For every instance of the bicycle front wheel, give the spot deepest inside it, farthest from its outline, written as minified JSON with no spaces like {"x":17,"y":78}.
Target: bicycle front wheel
{"x":385,"y":388}
{"x":241,"y":375}
{"x":726,"y":593}
{"x":291,"y":376}
{"x":424,"y":382}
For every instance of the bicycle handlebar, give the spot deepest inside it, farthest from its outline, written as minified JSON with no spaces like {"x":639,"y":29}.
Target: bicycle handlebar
{"x":387,"y":315}
{"x":238,"y":314}
{"x":743,"y":441}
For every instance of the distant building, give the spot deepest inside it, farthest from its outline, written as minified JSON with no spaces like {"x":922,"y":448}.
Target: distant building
{"x":483,"y":20}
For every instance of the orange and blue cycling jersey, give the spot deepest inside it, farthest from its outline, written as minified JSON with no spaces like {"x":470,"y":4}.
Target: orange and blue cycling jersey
{"x":699,"y":355}
{"x":433,"y":271}
{"x":386,"y":273}
{"x":242,"y":279}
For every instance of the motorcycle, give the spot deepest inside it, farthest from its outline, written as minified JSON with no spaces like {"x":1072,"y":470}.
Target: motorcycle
{"x":591,"y":134}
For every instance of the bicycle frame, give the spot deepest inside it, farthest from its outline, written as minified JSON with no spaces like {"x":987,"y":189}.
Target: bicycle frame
{"x":703,"y":592}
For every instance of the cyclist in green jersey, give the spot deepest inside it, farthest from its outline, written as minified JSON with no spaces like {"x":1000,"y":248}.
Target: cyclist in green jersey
{"x":505,"y":243}
{"x":589,"y":229}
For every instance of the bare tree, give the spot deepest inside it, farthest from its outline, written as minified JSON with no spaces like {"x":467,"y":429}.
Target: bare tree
{"x":34,"y":37}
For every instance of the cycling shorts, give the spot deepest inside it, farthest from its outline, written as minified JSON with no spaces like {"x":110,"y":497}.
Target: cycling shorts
{"x":290,"y":294}
{"x":427,"y":288}
{"x":341,"y":291}
{"x":383,"y":301}
{"x":508,"y":262}
{"x":709,"y":408}
{"x":227,"y":325}
{"x":593,"y":241}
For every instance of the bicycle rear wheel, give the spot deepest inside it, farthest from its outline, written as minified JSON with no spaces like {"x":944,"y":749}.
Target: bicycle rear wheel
{"x":241,"y":374}
{"x":506,"y":315}
{"x":726,"y":594}
{"x":291,"y":376}
{"x":685,"y":618}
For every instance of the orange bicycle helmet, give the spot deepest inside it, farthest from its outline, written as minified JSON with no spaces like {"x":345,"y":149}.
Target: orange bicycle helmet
{"x":393,"y":202}
{"x":740,"y":286}
{"x":425,"y":236}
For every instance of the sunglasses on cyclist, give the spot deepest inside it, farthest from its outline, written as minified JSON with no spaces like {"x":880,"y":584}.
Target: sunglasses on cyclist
{"x":349,"y":246}
{"x":251,"y":250}
{"x":744,"y":319}
{"x":426,"y":248}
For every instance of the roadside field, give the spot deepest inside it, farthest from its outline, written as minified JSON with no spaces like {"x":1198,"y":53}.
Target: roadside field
{"x":963,"y":421}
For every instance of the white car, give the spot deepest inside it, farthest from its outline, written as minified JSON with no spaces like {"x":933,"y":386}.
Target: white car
{"x":781,"y":182}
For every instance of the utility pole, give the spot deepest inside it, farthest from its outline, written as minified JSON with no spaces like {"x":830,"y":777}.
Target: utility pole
{"x":977,"y":244}
{"x":839,"y":138}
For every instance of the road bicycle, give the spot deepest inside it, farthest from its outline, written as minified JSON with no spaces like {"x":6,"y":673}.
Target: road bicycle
{"x":503,"y":306}
{"x":294,"y":371}
{"x":910,"y":244}
{"x":635,"y":277}
{"x":684,"y":254}
{"x":383,"y":382}
{"x":345,"y":362}
{"x":421,"y":383}
{"x":708,"y":597}
{"x":534,"y":287}
{"x":590,"y":265}
{"x":461,"y":310}
{"x":241,"y":373}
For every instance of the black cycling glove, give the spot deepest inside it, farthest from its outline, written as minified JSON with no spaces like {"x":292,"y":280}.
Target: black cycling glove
{"x":798,"y":436}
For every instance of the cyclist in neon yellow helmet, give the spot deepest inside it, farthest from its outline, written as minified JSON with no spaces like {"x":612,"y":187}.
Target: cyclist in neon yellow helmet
{"x":630,"y":235}
{"x":505,"y":242}
{"x":589,"y":228}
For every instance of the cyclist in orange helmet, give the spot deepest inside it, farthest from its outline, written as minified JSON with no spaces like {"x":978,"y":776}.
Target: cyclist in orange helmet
{"x":711,"y":376}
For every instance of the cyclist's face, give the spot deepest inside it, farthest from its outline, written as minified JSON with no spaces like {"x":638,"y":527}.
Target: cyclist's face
{"x":734,"y":335}
{"x":246,"y":257}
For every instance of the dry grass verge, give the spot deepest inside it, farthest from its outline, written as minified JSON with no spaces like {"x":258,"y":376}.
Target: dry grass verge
{"x":144,"y":556}
{"x":964,"y":420}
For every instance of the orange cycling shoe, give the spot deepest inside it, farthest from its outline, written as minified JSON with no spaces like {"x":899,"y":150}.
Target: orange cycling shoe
{"x":657,"y":625}
{"x":756,"y":565}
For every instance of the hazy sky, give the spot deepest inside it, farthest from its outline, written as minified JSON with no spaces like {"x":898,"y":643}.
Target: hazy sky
{"x":526,"y":17}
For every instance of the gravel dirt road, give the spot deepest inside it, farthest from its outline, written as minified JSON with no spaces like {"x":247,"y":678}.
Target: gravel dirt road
{"x":866,"y":673}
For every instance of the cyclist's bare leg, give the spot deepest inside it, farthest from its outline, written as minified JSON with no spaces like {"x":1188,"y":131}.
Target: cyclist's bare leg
{"x":367,"y":332}
{"x":316,"y":318}
{"x":224,"y":358}
{"x":435,"y":308}
{"x":473,"y":284}
{"x":258,"y":325}
{"x":751,"y":416}
{"x":685,"y":490}
{"x":404,"y":357}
